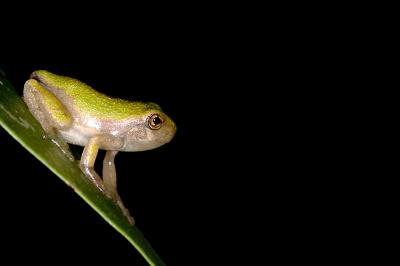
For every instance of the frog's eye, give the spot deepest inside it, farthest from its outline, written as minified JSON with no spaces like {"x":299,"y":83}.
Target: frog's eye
{"x":155,"y":121}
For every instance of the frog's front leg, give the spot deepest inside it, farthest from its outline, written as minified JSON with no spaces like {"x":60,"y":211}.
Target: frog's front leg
{"x":87,"y":162}
{"x":110,"y":182}
{"x":89,"y":157}
{"x":110,"y":174}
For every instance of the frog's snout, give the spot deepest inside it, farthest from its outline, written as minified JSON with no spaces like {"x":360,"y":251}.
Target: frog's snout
{"x":170,"y":131}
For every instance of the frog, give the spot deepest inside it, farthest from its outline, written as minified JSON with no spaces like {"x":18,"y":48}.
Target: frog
{"x":72,"y":112}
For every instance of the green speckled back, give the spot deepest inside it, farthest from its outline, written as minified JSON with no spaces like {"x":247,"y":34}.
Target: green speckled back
{"x":88,"y":100}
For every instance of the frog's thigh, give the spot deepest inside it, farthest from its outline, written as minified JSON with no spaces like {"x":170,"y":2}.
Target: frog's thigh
{"x":45,"y":107}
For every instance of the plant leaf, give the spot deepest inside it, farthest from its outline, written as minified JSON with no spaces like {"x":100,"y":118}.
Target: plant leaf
{"x":16,"y":119}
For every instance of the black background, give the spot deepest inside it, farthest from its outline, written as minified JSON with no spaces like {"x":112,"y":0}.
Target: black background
{"x":264,"y":165}
{"x":233,"y":170}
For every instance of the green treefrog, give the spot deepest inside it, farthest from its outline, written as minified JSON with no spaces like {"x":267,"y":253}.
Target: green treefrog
{"x":72,"y":112}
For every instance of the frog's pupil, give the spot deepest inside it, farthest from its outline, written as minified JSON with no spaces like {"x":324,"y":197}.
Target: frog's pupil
{"x":156,"y":120}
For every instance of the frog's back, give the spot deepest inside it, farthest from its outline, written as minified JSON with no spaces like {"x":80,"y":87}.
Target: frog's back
{"x":81,"y":98}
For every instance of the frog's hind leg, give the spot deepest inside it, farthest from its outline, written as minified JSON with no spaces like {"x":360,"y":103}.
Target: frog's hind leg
{"x":45,"y":107}
{"x":49,"y":111}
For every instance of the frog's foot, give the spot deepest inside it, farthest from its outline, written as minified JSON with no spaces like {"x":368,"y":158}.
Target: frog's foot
{"x":63,"y":147}
{"x":93,"y":177}
{"x":124,"y":210}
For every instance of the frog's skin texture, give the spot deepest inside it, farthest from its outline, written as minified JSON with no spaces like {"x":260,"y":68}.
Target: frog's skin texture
{"x":72,"y":112}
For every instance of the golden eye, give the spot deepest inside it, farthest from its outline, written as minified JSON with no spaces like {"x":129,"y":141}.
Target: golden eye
{"x":155,"y":121}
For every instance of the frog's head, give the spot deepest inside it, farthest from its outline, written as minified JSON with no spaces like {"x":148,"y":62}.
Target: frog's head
{"x":151,"y":130}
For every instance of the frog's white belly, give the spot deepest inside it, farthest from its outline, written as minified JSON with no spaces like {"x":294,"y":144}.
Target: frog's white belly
{"x":78,"y":135}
